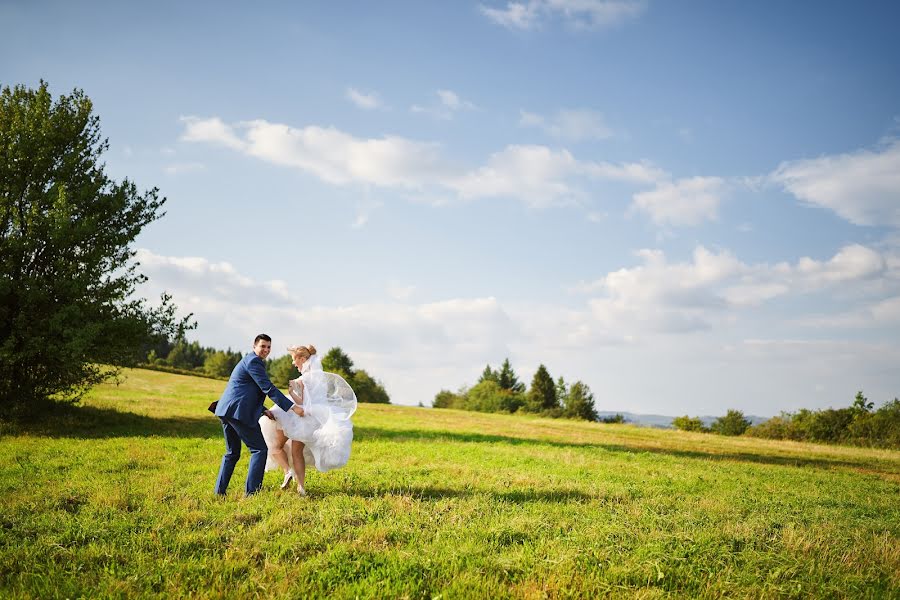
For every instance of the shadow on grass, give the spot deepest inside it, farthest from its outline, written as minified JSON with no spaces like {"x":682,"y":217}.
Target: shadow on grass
{"x":89,"y":422}
{"x":362,"y":433}
{"x":436,"y":493}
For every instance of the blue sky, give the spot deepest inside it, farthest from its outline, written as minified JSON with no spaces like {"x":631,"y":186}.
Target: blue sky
{"x":690,"y":206}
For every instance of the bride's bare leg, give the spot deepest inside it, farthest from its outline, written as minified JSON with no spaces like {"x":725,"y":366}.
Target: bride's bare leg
{"x":299,"y":465}
{"x":278,"y":451}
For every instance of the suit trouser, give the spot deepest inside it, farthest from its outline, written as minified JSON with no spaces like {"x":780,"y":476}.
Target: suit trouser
{"x":235,"y":433}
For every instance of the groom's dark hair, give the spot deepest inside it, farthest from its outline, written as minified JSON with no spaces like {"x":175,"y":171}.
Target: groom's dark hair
{"x":262,"y":336}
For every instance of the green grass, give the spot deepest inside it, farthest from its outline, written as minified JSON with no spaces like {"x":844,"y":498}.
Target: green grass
{"x":115,"y":499}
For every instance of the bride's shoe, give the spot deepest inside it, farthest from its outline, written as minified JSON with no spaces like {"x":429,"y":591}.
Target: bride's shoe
{"x":287,"y":480}
{"x":300,"y":489}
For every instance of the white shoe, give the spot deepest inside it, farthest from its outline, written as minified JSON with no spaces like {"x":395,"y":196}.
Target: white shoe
{"x":300,"y":490}
{"x":287,"y":480}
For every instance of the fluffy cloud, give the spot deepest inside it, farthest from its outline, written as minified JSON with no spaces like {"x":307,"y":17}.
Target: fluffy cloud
{"x":417,"y":349}
{"x":534,"y":174}
{"x":581,"y":14}
{"x":685,"y":296}
{"x":369,"y":101}
{"x":448,"y":103}
{"x":569,"y":125}
{"x":683,"y":202}
{"x":862,"y":187}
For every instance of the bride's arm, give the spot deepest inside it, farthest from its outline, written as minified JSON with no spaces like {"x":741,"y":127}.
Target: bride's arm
{"x":295,"y":388}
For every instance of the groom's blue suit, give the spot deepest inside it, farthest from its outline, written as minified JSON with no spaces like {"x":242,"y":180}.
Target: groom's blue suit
{"x":239,"y":409}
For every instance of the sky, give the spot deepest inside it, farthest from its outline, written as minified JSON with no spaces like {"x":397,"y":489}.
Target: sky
{"x":690,"y":206}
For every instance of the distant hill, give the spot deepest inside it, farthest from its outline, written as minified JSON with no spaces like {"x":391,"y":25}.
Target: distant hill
{"x":664,"y":421}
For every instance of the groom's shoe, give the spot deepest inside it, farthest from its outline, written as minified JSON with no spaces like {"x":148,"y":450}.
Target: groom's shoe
{"x":287,"y":480}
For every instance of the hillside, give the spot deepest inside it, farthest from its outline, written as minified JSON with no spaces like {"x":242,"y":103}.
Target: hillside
{"x":115,"y":498}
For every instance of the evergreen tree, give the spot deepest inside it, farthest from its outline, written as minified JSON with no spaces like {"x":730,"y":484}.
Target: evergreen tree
{"x":489,"y":375}
{"x":68,"y":310}
{"x":542,"y":393}
{"x":580,"y":403}
{"x":508,"y":380}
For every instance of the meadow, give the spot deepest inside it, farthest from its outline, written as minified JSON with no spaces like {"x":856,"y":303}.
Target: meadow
{"x":114,"y":498}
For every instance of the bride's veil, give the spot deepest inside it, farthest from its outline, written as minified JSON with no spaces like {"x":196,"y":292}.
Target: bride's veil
{"x":329,"y":389}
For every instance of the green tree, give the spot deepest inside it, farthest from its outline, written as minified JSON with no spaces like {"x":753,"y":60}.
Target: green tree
{"x":447,"y":399}
{"x":687,"y":423}
{"x":220,"y":363}
{"x":69,"y":317}
{"x":281,"y":370}
{"x":542,"y":393}
{"x":861,"y":404}
{"x":367,"y":389}
{"x":508,"y":380}
{"x":337,"y":361}
{"x":489,"y":375}
{"x":580,"y":403}
{"x":733,"y":423}
{"x":562,"y":390}
{"x":488,"y":396}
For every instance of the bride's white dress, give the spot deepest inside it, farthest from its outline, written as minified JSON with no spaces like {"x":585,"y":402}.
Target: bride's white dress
{"x":325,"y":428}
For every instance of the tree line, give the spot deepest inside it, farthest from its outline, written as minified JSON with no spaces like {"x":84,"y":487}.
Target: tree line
{"x":858,"y":424}
{"x":500,"y":391}
{"x":182,"y":356}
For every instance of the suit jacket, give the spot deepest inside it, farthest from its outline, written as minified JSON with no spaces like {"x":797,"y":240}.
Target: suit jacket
{"x":247,"y":387}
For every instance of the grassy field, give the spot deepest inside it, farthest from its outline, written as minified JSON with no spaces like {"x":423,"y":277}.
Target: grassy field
{"x":115,"y":499}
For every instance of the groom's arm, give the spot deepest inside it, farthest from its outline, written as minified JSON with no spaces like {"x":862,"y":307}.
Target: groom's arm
{"x":258,"y":372}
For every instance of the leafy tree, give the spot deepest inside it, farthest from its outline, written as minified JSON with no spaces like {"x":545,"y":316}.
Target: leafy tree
{"x":562,"y":390}
{"x":542,"y":393}
{"x":861,"y":404}
{"x":687,"y":423}
{"x":281,"y":370}
{"x":447,"y":399}
{"x":220,"y":363}
{"x":733,"y":423}
{"x":616,"y":418}
{"x":488,"y":396}
{"x":579,"y":403}
{"x":337,"y":361}
{"x":367,"y":389}
{"x":68,"y":314}
{"x":508,"y":380}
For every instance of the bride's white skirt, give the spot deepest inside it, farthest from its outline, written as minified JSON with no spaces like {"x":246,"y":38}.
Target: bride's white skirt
{"x":326,"y":432}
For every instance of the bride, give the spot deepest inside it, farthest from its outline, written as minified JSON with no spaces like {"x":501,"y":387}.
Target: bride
{"x":323,"y":434}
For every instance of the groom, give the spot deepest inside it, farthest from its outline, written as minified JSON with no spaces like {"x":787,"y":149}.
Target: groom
{"x":240,"y":408}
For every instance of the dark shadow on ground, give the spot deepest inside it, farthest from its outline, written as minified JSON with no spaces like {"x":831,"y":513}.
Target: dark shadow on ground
{"x":399,"y":435}
{"x":89,"y":422}
{"x":437,"y":493}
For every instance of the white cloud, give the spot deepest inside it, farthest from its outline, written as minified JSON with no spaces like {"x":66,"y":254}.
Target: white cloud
{"x":210,"y":130}
{"x":572,"y":125}
{"x":683,"y":296}
{"x":369,"y":101}
{"x":580,"y":14}
{"x":534,"y":174}
{"x":448,"y":103}
{"x":683,"y":202}
{"x":417,"y":349}
{"x":516,"y":15}
{"x":862,"y":187}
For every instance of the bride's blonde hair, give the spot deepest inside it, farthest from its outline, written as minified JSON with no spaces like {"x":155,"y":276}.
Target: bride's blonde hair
{"x":302,"y":351}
